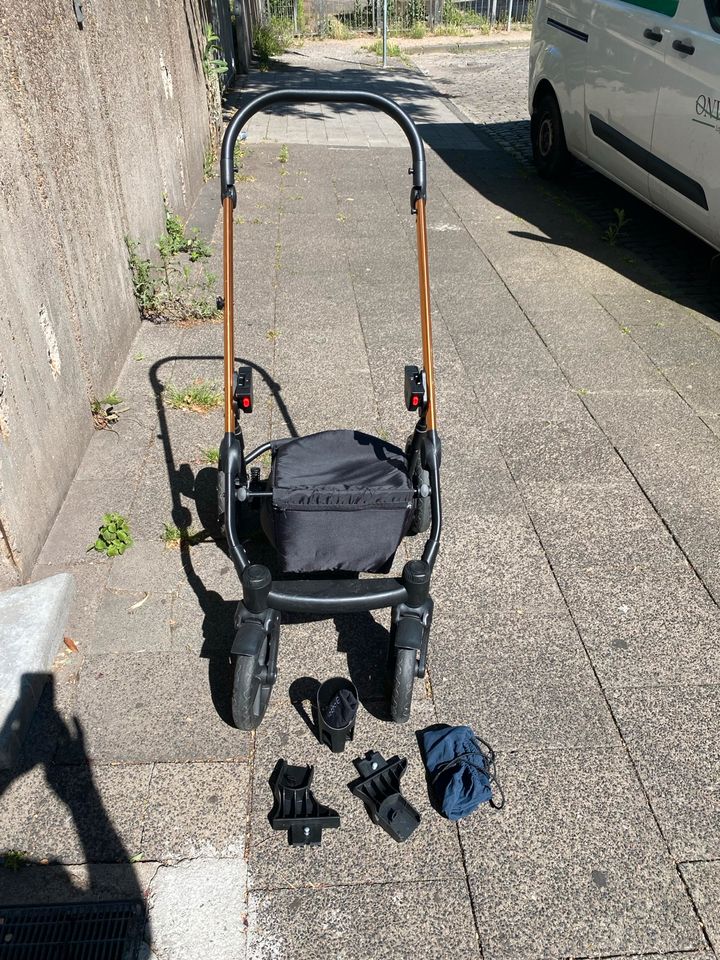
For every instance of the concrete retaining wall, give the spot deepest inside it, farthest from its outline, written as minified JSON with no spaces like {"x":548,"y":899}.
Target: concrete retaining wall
{"x":95,"y":125}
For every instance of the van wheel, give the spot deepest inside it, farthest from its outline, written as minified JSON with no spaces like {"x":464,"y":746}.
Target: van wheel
{"x":550,"y":151}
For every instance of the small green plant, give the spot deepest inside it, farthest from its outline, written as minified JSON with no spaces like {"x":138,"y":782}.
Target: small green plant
{"x":284,"y":154}
{"x":144,"y":282}
{"x":418,"y":30}
{"x":270,"y":39}
{"x":114,"y":536}
{"x":211,"y":456}
{"x":104,"y":413}
{"x":213,"y":64}
{"x":393,"y":49}
{"x":178,"y":536}
{"x":336,"y":29}
{"x":170,"y":290}
{"x":176,"y":240}
{"x":13,"y":859}
{"x":613,"y":231}
{"x":199,"y":396}
{"x":273,"y":335}
{"x":208,"y":164}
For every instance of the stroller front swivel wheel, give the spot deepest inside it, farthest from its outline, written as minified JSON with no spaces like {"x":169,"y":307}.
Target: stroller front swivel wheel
{"x":403,"y":675}
{"x":252,"y":686}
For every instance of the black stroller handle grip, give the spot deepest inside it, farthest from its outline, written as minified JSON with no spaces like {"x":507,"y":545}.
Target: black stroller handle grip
{"x":241,"y":118}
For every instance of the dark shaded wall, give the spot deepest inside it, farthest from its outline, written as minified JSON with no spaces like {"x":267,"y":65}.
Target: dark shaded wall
{"x":95,"y":126}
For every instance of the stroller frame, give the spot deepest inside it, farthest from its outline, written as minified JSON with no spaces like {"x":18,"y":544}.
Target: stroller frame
{"x":257,"y":621}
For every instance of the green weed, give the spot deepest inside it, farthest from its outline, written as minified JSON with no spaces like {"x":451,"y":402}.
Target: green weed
{"x":271,"y":39}
{"x":613,"y":231}
{"x":199,"y":396}
{"x":178,"y":536}
{"x":13,"y":859}
{"x":211,"y":456}
{"x":209,"y":164}
{"x":114,"y":536}
{"x":393,"y":49}
{"x":213,"y":64}
{"x":171,"y":289}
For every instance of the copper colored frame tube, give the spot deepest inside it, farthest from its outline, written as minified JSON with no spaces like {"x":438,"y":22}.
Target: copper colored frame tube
{"x":425,"y":321}
{"x":229,"y":314}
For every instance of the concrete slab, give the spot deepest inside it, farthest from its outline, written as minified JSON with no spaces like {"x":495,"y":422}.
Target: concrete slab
{"x":574,"y":865}
{"x":32,"y":621}
{"x":132,"y":623}
{"x":197,"y":910}
{"x":499,"y":563}
{"x":703,"y":880}
{"x":631,"y":590}
{"x":143,"y":708}
{"x":673,"y":737}
{"x":196,"y":810}
{"x":38,"y":883}
{"x":520,"y":680}
{"x":434,"y":918}
{"x":75,"y":814}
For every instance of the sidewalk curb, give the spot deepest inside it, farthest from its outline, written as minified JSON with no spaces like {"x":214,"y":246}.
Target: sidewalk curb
{"x":32,"y":621}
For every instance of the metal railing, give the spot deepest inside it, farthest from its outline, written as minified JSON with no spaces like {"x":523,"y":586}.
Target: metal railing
{"x":340,"y":18}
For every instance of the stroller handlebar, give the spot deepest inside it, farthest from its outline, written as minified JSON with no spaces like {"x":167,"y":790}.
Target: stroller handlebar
{"x":241,"y":118}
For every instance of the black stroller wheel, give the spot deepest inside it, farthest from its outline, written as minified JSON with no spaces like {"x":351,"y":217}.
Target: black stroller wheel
{"x":402,"y":685}
{"x":251,"y":689}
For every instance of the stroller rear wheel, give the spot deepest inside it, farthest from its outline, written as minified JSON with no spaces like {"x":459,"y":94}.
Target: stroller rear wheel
{"x":252,"y":686}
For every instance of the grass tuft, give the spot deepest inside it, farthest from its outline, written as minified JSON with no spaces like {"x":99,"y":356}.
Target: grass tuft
{"x":200,"y":396}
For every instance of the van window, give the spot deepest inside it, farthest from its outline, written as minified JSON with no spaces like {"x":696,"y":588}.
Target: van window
{"x":713,"y":9}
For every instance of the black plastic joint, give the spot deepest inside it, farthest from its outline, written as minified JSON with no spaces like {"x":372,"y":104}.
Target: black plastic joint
{"x":256,"y":584}
{"x":416,"y":580}
{"x":229,"y":191}
{"x":416,"y":193}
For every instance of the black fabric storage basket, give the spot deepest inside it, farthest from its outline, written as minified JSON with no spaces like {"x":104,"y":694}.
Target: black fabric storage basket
{"x":342,"y":500}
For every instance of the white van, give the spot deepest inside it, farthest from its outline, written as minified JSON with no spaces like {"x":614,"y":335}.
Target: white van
{"x":632,"y":88}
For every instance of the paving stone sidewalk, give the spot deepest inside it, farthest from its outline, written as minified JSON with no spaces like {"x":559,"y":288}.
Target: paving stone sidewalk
{"x":576,"y":623}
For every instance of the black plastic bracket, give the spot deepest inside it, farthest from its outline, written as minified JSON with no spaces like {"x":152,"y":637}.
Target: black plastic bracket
{"x":243,"y":389}
{"x":379,"y":790}
{"x":296,"y":809}
{"x":410,"y":630}
{"x":415,"y":389}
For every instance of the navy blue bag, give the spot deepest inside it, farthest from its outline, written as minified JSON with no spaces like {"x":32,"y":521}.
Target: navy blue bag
{"x":461,"y":770}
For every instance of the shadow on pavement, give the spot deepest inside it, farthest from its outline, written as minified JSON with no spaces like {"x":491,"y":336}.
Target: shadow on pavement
{"x":27,"y":881}
{"x":219,"y":613}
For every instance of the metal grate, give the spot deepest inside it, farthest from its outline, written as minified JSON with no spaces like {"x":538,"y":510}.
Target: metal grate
{"x":77,"y":931}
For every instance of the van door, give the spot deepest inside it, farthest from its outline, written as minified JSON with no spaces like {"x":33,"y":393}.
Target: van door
{"x":625,"y":69}
{"x":686,"y":138}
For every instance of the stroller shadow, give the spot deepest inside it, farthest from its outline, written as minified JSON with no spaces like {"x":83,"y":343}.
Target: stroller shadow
{"x":31,"y":881}
{"x":219,"y":614}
